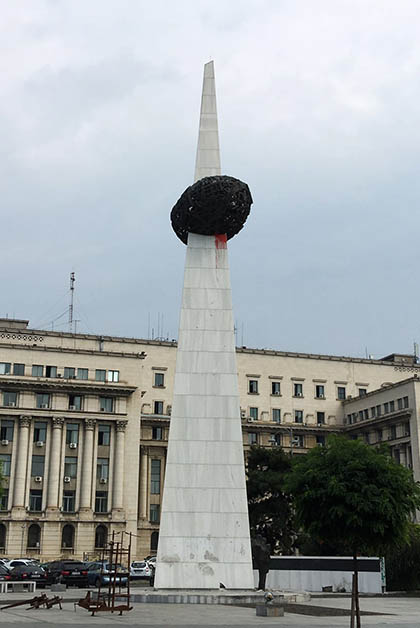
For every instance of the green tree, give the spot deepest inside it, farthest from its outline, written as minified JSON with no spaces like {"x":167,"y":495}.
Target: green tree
{"x":403,"y":564}
{"x":353,"y":496}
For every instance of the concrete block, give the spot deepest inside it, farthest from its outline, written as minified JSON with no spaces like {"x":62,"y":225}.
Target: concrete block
{"x":58,"y":587}
{"x":265,"y":610}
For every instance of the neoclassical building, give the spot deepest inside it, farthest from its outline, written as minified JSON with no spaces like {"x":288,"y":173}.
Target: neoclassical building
{"x":84,"y":423}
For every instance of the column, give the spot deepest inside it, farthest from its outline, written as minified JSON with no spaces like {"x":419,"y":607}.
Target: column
{"x":144,"y":464}
{"x":55,"y":457}
{"x":21,"y":462}
{"x":118,"y":488}
{"x":86,"y":475}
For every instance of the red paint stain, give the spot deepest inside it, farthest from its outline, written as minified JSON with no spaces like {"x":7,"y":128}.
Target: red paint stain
{"x":221,"y":241}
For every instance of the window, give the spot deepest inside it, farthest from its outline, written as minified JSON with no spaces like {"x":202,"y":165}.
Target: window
{"x":101,"y":535}
{"x":397,"y":456}
{"x":72,"y":433}
{"x":70,"y":466}
{"x":405,"y":402}
{"x":366,"y":414}
{"x":320,"y":440}
{"x":379,"y":435}
{"x":276,"y":415}
{"x":400,"y":404}
{"x":35,"y":504}
{"x":37,"y":370}
{"x":298,"y":416}
{"x":50,"y":371}
{"x":5,"y":368}
{"x":158,"y":407}
{"x":407,"y":429}
{"x":5,"y":464}
{"x":4,"y":500}
{"x":104,"y":435}
{"x":367,"y":438}
{"x":392,"y":406}
{"x":18,"y":369}
{"x":40,"y":432}
{"x":69,"y":372}
{"x":362,"y":392}
{"x":341,"y":392}
{"x":75,"y":402}
{"x":106,"y":404}
{"x":69,"y":501}
{"x":319,"y":392}
{"x":82,"y":373}
{"x":393,"y":432}
{"x":100,"y":375}
{"x":253,"y":414}
{"x":298,"y":390}
{"x":2,"y":535}
{"x":154,"y":539}
{"x":252,"y":438}
{"x":320,"y":418}
{"x":275,"y":388}
{"x":101,"y":501}
{"x":157,"y":433}
{"x":6,"y":430}
{"x":275,"y":439}
{"x":373,"y":412}
{"x":253,"y":386}
{"x":155,"y":477}
{"x":37,"y":466}
{"x":43,"y":400}
{"x":386,"y":408}
{"x":378,"y":410}
{"x":10,"y":399}
{"x":102,"y":468}
{"x":113,"y":376}
{"x":299,"y":441}
{"x":34,"y":533}
{"x":159,"y":380}
{"x":67,"y":536}
{"x":154,"y":513}
{"x":360,"y":415}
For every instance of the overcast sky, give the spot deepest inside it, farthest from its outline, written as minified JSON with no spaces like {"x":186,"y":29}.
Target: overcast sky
{"x":319,"y":113}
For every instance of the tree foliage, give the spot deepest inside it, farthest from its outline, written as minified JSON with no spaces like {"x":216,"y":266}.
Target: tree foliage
{"x":403,"y":564}
{"x":270,"y":506}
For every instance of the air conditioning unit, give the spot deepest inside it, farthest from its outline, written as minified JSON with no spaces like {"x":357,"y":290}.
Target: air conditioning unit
{"x":5,"y":442}
{"x":299,"y":394}
{"x":12,"y":404}
{"x":321,"y":396}
{"x":39,"y":443}
{"x":277,"y":393}
{"x":243,"y":414}
{"x":38,"y":478}
{"x":168,"y":410}
{"x":72,"y":407}
{"x":73,"y":445}
{"x":102,"y":409}
{"x":103,"y":481}
{"x":66,"y":479}
{"x":44,"y":406}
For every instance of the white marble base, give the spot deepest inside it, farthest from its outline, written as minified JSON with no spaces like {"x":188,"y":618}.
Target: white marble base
{"x":204,"y":533}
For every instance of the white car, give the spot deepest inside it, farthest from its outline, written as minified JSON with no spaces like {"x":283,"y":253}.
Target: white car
{"x":16,"y":562}
{"x":140,"y":569}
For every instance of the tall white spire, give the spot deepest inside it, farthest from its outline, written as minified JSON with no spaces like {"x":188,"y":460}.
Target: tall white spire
{"x":207,"y":162}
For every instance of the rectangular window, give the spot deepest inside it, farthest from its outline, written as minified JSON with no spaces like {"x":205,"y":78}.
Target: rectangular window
{"x":386,"y":408}
{"x":392,"y":406}
{"x":10,"y":399}
{"x":155,"y":477}
{"x":298,"y":416}
{"x":37,"y":469}
{"x":35,"y":500}
{"x":378,"y":410}
{"x":276,"y":415}
{"x":100,"y":375}
{"x":320,"y":392}
{"x":320,"y":440}
{"x":373,"y":412}
{"x":102,"y":468}
{"x":253,"y":414}
{"x":362,"y":392}
{"x":158,"y":407}
{"x":18,"y":369}
{"x":159,"y":380}
{"x":407,"y":429}
{"x":299,"y":441}
{"x":379,"y":435}
{"x":341,"y":392}
{"x":40,"y":432}
{"x":399,"y":404}
{"x":69,"y":372}
{"x":154,"y":513}
{"x":37,"y":370}
{"x":5,"y":464}
{"x":82,"y":374}
{"x":253,"y":386}
{"x":252,"y":438}
{"x":405,"y":402}
{"x":43,"y":400}
{"x":113,"y":376}
{"x":50,"y":371}
{"x":275,"y":388}
{"x":70,"y":467}
{"x":104,"y":435}
{"x":298,"y":390}
{"x":5,"y":368}
{"x":6,"y":430}
{"x":106,"y":404}
{"x":69,"y":499}
{"x":72,"y":433}
{"x":75,"y":402}
{"x":157,"y":433}
{"x":101,"y":501}
{"x":393,"y":432}
{"x":320,"y":418}
{"x":360,"y":415}
{"x":4,"y":499}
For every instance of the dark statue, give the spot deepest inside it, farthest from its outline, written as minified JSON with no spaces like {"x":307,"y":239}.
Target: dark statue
{"x":261,"y":558}
{"x":212,"y":206}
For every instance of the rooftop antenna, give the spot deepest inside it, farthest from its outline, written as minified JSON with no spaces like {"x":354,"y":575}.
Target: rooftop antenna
{"x":416,"y":352}
{"x":71,"y":302}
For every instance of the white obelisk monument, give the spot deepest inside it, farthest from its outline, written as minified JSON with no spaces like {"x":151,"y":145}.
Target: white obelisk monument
{"x":204,"y":533}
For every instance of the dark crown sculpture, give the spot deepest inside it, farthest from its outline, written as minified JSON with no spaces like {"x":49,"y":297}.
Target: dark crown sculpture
{"x":212,"y":206}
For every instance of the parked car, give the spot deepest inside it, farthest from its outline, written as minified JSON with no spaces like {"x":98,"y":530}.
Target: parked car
{"x":4,"y":573}
{"x":151,"y":559}
{"x":102,"y":573}
{"x":140,"y":569}
{"x":16,"y":562}
{"x":32,"y":573}
{"x":68,"y":572}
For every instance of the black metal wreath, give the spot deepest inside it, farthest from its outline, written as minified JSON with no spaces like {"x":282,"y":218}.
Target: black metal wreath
{"x":212,"y":206}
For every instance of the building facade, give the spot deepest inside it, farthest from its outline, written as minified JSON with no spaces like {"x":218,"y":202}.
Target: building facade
{"x":84,"y":423}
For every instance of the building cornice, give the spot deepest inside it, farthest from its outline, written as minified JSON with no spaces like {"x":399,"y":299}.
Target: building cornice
{"x":65,"y":385}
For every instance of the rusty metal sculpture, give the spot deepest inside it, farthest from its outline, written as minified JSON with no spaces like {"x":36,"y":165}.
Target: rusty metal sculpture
{"x":37,"y":602}
{"x":212,"y":206}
